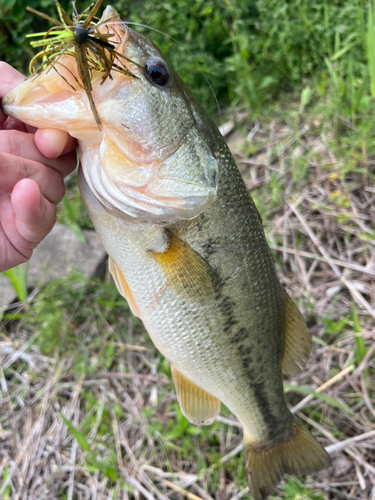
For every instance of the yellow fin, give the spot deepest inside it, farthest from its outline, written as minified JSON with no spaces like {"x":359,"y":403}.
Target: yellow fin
{"x":185,"y":269}
{"x":122,"y":286}
{"x":297,"y":340}
{"x":198,"y":406}
{"x":300,"y":454}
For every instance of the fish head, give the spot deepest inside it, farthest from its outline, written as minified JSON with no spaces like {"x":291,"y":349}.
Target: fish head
{"x":152,"y":159}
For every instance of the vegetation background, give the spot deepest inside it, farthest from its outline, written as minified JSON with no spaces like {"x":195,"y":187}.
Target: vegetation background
{"x":88,"y":409}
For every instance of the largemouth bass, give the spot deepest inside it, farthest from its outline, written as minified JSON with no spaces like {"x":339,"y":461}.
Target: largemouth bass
{"x":186,"y":244}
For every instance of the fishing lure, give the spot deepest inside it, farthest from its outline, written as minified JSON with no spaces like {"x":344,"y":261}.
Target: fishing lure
{"x":80,"y":38}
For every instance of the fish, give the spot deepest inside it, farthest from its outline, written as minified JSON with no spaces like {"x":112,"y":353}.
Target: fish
{"x":186,"y":246}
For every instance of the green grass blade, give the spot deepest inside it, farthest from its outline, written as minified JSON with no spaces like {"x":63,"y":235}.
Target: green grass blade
{"x":323,"y":397}
{"x":108,"y":470}
{"x":371,"y":49}
{"x":344,"y":50}
{"x":18,"y":278}
{"x":332,"y":72}
{"x":360,"y":348}
{"x":81,"y":439}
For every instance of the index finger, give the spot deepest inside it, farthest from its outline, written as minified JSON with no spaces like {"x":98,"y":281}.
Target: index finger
{"x":9,"y":78}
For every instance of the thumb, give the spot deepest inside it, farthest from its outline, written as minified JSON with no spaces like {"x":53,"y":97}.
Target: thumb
{"x":35,"y":215}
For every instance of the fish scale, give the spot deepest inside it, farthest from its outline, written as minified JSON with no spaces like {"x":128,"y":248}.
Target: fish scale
{"x":179,"y":331}
{"x":253,"y":251}
{"x":187,"y":250}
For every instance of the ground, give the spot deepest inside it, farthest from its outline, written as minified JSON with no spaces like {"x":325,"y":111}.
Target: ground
{"x":87,"y":405}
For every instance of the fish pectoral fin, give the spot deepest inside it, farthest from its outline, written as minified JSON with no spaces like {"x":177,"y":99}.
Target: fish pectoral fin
{"x":198,"y":406}
{"x":298,"y":455}
{"x":123,"y":287}
{"x":297,"y":340}
{"x":185,"y":269}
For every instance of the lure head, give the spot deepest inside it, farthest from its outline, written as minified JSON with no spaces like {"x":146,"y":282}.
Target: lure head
{"x":153,"y":159}
{"x":81,"y":33}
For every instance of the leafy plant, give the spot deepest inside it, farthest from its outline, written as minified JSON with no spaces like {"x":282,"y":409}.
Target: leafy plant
{"x":360,"y":348}
{"x":93,"y":464}
{"x":296,"y":490}
{"x":249,"y":51}
{"x":7,"y":490}
{"x":18,"y":278}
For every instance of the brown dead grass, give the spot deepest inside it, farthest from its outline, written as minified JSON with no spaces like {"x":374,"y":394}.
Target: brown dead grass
{"x":324,"y":242}
{"x":323,"y":236}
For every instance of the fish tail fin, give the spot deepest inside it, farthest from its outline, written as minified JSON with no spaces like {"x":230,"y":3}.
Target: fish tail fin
{"x":300,"y":454}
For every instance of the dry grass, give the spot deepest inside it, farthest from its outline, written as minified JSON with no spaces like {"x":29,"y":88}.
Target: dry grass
{"x":324,"y":242}
{"x":323,"y":236}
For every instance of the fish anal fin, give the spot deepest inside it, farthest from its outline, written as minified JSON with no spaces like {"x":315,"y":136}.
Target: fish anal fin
{"x":198,"y":406}
{"x":297,"y":340}
{"x":123,"y":287}
{"x":185,"y":269}
{"x":300,"y":454}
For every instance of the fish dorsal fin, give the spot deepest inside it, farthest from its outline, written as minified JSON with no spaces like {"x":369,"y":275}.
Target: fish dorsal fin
{"x":122,"y":286}
{"x":297,"y":340}
{"x":185,"y":269}
{"x":198,"y":406}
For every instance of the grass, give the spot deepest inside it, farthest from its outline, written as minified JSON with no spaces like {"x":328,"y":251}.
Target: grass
{"x":87,"y":407}
{"x":251,"y":52}
{"x":18,"y":278}
{"x":103,"y":414}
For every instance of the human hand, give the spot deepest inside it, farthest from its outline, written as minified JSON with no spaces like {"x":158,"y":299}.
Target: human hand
{"x":33,"y":164}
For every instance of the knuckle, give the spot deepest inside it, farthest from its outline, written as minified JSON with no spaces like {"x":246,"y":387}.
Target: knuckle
{"x":26,"y":170}
{"x":7,"y":142}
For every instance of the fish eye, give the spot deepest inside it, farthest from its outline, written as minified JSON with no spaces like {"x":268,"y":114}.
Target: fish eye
{"x":157,"y":72}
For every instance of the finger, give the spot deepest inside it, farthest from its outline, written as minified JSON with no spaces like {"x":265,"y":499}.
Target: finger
{"x":53,"y":143}
{"x":13,"y":169}
{"x":11,"y":255}
{"x":9,"y":78}
{"x":13,"y":124}
{"x":35,"y":216}
{"x":22,"y":145}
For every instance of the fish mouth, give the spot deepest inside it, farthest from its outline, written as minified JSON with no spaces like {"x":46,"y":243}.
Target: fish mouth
{"x":56,"y":97}
{"x":31,"y":102}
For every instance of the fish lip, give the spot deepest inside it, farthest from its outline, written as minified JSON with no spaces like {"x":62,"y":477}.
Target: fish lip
{"x":4,"y":100}
{"x":11,"y":103}
{"x":8,"y":102}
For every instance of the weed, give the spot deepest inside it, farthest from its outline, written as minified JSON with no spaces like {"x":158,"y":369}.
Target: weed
{"x":72,"y":211}
{"x":250,"y":51}
{"x":18,"y":278}
{"x":7,"y":490}
{"x":296,"y":490}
